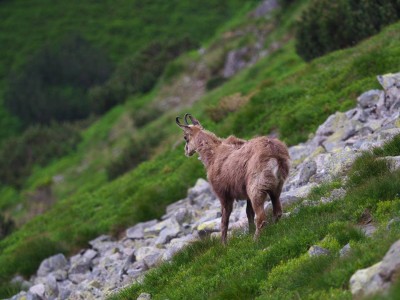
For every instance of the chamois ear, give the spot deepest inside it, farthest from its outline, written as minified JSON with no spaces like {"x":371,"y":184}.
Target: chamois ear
{"x":194,"y":120}
{"x":184,"y":127}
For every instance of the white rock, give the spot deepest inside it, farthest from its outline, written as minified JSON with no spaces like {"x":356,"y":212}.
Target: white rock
{"x":38,"y":290}
{"x":365,"y":282}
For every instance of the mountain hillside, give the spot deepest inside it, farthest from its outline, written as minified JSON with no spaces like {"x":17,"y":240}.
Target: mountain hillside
{"x":353,"y":154}
{"x":123,"y":163}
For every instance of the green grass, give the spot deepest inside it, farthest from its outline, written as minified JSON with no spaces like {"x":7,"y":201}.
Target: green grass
{"x":278,"y":266}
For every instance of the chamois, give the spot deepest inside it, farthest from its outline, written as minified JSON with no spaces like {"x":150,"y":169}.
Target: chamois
{"x":240,"y":169}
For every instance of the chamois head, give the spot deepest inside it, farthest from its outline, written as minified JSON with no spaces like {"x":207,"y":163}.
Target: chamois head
{"x":190,"y":132}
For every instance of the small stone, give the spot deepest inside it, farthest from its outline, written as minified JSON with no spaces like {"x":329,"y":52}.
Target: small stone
{"x":144,"y":296}
{"x":318,"y":251}
{"x":368,"y":229}
{"x":392,"y":222}
{"x":345,"y":250}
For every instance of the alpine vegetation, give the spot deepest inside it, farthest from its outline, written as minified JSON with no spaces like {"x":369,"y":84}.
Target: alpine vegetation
{"x":239,"y":169}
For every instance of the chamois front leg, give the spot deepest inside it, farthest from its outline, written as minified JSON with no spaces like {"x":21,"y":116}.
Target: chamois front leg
{"x":226,"y":209}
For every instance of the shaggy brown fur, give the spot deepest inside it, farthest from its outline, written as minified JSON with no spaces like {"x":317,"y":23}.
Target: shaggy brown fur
{"x":240,"y":169}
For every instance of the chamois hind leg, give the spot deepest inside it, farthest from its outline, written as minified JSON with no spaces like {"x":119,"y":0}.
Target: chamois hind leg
{"x":276,"y":203}
{"x":226,"y":209}
{"x":258,"y":207}
{"x":250,"y":216}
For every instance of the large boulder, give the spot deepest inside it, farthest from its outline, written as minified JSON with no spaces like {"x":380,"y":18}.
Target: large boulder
{"x":379,"y":277}
{"x":149,"y":255}
{"x":369,"y":99}
{"x":171,"y":230}
{"x":137,"y":231}
{"x":389,"y":80}
{"x":51,"y":264}
{"x":171,"y":224}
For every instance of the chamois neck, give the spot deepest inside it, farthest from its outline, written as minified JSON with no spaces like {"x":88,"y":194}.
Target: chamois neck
{"x":207,"y":142}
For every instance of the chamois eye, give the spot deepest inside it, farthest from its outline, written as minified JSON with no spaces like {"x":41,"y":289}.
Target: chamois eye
{"x":186,"y":138}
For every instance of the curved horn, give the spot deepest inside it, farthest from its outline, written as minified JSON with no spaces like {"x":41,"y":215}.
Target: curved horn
{"x":178,"y":122}
{"x":186,"y":116}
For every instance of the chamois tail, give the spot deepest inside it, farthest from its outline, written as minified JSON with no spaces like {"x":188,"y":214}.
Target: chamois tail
{"x":283,"y":168}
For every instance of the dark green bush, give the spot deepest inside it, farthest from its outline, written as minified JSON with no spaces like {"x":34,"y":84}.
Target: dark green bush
{"x":214,"y":82}
{"x":53,"y":84}
{"x":330,"y":25}
{"x":286,"y":3}
{"x":37,"y":145}
{"x":139,"y":73}
{"x":7,"y":225}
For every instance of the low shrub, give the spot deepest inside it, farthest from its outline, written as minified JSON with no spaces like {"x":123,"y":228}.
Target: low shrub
{"x":53,"y":84}
{"x":37,"y":145}
{"x":330,"y":25}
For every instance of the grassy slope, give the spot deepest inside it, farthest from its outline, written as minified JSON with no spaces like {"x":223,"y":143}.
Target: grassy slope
{"x":119,"y":27}
{"x":278,"y":266}
{"x":282,"y":81}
